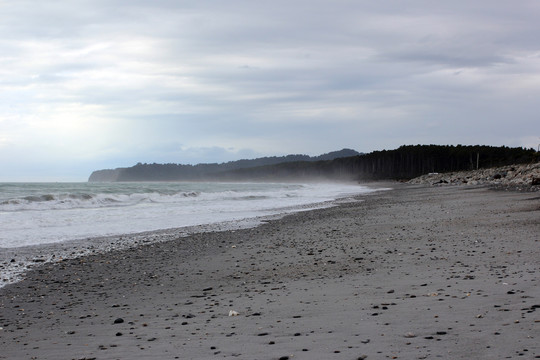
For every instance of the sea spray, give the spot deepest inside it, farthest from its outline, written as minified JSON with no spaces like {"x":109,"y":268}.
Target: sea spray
{"x":52,"y":221}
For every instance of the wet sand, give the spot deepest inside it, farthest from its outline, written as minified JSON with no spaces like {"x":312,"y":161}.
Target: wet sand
{"x":411,"y":273}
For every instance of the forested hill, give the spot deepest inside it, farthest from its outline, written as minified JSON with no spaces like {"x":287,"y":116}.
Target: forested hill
{"x":403,"y":163}
{"x":406,"y":162}
{"x":179,"y":172}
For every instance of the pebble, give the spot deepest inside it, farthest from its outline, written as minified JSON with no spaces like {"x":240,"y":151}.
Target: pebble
{"x":216,"y":305}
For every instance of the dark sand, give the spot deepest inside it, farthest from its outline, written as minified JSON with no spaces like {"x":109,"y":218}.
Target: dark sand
{"x":411,"y":273}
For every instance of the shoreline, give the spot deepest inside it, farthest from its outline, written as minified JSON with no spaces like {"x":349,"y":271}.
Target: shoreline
{"x":16,"y":261}
{"x":414,"y":272}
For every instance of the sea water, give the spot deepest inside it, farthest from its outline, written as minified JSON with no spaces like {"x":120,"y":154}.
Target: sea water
{"x":36,"y":214}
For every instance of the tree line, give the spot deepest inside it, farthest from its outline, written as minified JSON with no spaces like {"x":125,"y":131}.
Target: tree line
{"x":405,"y":162}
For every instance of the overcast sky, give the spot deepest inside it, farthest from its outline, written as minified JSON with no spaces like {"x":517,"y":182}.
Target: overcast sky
{"x":95,"y":84}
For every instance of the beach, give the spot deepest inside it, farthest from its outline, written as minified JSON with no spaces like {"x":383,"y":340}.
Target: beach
{"x":416,"y":272}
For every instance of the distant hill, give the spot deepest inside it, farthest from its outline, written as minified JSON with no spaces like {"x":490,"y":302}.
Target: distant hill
{"x":403,"y":163}
{"x":179,"y":172}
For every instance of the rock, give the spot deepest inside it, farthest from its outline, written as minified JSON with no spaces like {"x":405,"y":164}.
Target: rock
{"x":518,"y":177}
{"x":118,"y":321}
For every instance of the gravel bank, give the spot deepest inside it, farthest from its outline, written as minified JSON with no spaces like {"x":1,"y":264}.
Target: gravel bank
{"x":515,"y":177}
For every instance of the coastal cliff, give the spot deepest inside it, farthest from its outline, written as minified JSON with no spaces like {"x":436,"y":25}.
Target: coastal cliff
{"x":107,"y":175}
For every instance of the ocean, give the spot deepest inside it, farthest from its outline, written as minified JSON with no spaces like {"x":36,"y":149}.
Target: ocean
{"x":36,"y":216}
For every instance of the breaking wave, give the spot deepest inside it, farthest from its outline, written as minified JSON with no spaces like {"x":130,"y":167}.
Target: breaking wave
{"x":41,"y":213}
{"x":85,"y":200}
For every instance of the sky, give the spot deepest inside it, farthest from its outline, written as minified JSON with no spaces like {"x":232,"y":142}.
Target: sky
{"x":95,"y":84}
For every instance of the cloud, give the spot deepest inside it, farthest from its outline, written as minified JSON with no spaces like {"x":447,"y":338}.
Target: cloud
{"x":115,"y":82}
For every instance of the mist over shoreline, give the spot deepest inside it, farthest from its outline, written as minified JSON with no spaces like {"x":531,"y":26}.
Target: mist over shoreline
{"x":406,"y":162}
